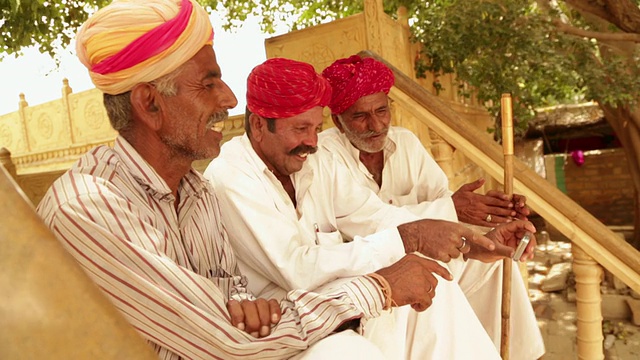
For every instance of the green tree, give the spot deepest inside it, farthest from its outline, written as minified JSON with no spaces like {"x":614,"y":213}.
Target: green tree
{"x":47,"y":25}
{"x":542,"y":52}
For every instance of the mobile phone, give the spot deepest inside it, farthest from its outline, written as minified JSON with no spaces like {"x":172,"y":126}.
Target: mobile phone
{"x":521,"y":246}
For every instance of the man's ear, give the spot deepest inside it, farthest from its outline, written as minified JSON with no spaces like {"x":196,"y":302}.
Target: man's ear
{"x":337,"y":122}
{"x":145,"y":105}
{"x":258,"y":126}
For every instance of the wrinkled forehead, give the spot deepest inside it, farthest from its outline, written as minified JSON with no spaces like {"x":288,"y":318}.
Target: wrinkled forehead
{"x":369,"y":103}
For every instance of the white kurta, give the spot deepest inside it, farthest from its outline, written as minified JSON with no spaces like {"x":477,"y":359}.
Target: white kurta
{"x":276,"y":244}
{"x":413,"y":180}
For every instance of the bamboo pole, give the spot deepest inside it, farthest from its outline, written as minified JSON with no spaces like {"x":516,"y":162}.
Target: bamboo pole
{"x":507,"y":148}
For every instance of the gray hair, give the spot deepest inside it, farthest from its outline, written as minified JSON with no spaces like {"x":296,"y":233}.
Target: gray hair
{"x":271,"y":123}
{"x":119,"y":108}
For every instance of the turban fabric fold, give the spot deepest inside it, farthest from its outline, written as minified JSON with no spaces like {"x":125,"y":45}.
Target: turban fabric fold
{"x":355,"y":77}
{"x":134,"y":41}
{"x":281,"y":88}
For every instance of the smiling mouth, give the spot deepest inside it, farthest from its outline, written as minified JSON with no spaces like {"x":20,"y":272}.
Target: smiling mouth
{"x":218,"y":127}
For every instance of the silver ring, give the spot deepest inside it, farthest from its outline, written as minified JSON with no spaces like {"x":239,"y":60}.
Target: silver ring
{"x":464,"y":243}
{"x":488,"y":218}
{"x":430,"y":289}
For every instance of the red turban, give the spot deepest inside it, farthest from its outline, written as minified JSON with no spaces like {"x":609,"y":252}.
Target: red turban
{"x":353,"y":78}
{"x":281,"y":88}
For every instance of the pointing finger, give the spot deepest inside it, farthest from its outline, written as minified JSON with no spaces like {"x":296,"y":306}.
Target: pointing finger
{"x":480,"y":240}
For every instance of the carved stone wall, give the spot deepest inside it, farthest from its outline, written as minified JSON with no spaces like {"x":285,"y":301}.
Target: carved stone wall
{"x":50,"y":136}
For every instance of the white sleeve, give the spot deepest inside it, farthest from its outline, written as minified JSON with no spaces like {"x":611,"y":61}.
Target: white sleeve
{"x":272,"y":242}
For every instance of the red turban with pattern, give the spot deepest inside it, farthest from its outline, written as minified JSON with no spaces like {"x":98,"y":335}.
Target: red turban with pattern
{"x":353,"y":78}
{"x":281,"y":88}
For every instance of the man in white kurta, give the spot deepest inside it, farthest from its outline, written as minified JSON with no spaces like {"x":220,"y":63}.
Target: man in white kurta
{"x":406,"y":175}
{"x":316,"y":224}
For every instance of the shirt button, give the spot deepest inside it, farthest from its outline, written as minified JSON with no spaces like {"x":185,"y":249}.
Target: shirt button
{"x":390,"y":201}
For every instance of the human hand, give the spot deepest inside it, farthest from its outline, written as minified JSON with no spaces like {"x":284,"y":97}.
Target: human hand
{"x":495,"y":207}
{"x":441,"y":240}
{"x":255,"y":317}
{"x":506,"y":237}
{"x":412,"y":281}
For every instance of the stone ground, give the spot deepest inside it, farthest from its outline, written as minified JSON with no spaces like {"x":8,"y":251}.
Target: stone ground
{"x":557,"y":315}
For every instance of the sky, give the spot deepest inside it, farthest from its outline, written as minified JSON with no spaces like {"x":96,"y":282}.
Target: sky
{"x":37,"y":76}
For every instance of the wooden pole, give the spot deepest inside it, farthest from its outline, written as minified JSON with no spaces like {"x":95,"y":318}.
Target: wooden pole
{"x":507,"y":147}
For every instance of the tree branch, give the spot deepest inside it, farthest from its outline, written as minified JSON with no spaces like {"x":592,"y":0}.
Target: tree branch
{"x":568,"y":29}
{"x":625,"y":14}
{"x":592,"y":8}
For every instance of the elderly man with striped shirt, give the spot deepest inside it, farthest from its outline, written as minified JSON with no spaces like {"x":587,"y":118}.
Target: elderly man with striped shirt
{"x":146,"y":226}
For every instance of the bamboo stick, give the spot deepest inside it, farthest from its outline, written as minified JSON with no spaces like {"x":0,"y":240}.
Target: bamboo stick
{"x":507,"y":148}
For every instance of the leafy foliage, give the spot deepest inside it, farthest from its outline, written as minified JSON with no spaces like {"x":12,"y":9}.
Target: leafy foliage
{"x":42,"y":23}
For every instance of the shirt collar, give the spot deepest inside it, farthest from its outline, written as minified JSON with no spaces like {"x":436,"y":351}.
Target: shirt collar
{"x":193,"y":183}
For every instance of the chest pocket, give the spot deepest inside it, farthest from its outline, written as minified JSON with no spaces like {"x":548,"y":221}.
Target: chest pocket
{"x":330,"y":238}
{"x":410,"y":197}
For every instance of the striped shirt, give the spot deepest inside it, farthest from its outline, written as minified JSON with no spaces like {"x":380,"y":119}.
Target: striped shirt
{"x":171,"y":272}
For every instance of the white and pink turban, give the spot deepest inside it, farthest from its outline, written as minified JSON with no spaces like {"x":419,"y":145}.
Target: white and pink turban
{"x":134,"y":41}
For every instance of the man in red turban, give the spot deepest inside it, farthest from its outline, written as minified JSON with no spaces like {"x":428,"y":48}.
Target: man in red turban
{"x":394,"y":164}
{"x":300,"y":221}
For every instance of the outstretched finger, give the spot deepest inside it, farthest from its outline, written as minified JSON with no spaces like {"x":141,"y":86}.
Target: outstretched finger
{"x":472,"y":186}
{"x":480,"y":240}
{"x":503,"y":250}
{"x":438,"y":269}
{"x":499,"y":196}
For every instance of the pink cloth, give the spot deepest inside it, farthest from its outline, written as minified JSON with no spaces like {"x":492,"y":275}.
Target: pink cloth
{"x":353,"y":78}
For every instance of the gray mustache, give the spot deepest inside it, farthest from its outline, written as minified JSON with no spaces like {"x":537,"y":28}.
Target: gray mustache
{"x":219,"y":116}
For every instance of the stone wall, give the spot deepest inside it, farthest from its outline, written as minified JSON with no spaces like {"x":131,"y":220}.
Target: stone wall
{"x":602,"y":185}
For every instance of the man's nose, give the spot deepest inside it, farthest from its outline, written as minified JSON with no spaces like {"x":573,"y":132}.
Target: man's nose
{"x":311,"y":139}
{"x":227,"y":98}
{"x":377,"y":123}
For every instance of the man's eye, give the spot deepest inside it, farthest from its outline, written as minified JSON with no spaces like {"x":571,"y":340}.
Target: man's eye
{"x":358,"y":117}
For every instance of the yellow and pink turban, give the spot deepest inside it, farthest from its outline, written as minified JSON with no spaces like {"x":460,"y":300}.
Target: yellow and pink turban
{"x":134,"y":41}
{"x":281,"y":88}
{"x":353,"y":78}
